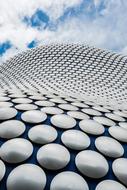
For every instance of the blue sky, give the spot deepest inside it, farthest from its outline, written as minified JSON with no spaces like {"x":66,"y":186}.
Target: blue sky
{"x":29,"y":23}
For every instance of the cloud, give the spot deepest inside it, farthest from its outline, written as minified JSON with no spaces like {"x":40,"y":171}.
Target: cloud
{"x":27,"y":23}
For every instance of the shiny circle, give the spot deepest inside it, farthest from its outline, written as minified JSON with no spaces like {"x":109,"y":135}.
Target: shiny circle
{"x":7,"y":113}
{"x":21,"y":100}
{"x":45,"y":103}
{"x":120,"y":113}
{"x":37,"y":97}
{"x":91,"y":164}
{"x":16,"y":150}
{"x":42,"y":134}
{"x":53,"y":156}
{"x":6,"y":104}
{"x":33,"y":116}
{"x":78,"y":115}
{"x":104,"y":121}
{"x":26,"y":176}
{"x":114,"y":117}
{"x":75,"y":139}
{"x":91,"y":111}
{"x":2,"y":169}
{"x":119,"y":167}
{"x":11,"y":128}
{"x":99,"y":108}
{"x":118,"y":133}
{"x":17,"y":95}
{"x":63,"y":121}
{"x":109,"y":146}
{"x":25,"y":107}
{"x":123,"y":124}
{"x":68,"y":107}
{"x":52,"y":110}
{"x":58,"y":101}
{"x":68,"y":180}
{"x":4,"y":99}
{"x":91,"y":127}
{"x":110,"y":184}
{"x":80,"y":105}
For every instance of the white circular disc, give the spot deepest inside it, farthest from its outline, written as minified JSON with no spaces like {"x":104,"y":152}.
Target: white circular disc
{"x":63,"y":121}
{"x":104,"y":121}
{"x":118,"y":133}
{"x":11,"y":128}
{"x":109,"y":146}
{"x":25,"y":107}
{"x":110,"y":184}
{"x":16,"y":150}
{"x":91,"y":164}
{"x":37,"y":97}
{"x":4,"y":99}
{"x":92,"y":112}
{"x":53,"y":156}
{"x":123,"y":124}
{"x":6,"y":104}
{"x":91,"y":127}
{"x":58,"y":101}
{"x":120,"y":113}
{"x":102,"y":109}
{"x":33,"y":116}
{"x":2,"y":169}
{"x":78,"y":115}
{"x":68,"y":107}
{"x":68,"y":180}
{"x":114,"y":117}
{"x":42,"y":134}
{"x":44,"y":103}
{"x":119,"y":167}
{"x":52,"y":110}
{"x":7,"y":113}
{"x":21,"y":100}
{"x":75,"y":139}
{"x":80,"y":105}
{"x":26,"y":176}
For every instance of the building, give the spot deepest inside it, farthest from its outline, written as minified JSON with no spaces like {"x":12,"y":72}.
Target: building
{"x":63,"y":119}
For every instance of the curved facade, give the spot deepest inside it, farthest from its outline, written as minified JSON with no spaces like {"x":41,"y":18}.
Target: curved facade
{"x":63,"y":119}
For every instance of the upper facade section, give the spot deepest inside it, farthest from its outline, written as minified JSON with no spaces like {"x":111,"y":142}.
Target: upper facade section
{"x":76,"y":70}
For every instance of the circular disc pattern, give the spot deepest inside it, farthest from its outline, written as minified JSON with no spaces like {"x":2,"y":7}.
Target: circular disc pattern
{"x":58,"y":99}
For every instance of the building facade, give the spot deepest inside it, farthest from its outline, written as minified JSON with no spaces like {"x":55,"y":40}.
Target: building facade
{"x":63,"y":119}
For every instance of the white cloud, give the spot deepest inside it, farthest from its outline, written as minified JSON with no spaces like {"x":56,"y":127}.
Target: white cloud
{"x":107,"y":29}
